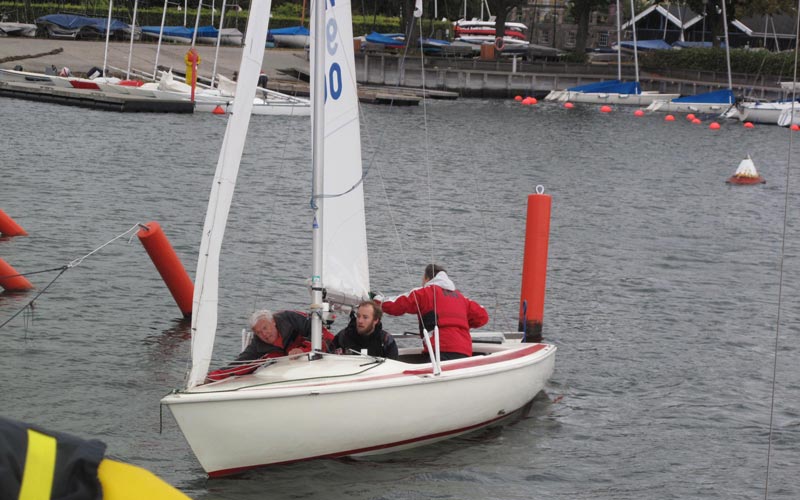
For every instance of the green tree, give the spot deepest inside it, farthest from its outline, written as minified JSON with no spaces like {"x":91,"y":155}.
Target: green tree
{"x":582,"y":10}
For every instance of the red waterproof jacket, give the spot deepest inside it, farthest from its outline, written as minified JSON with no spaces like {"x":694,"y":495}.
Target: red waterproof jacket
{"x":439,"y":303}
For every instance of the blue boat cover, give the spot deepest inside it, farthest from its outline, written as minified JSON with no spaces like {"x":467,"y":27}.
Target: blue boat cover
{"x":608,"y":87}
{"x":71,"y":21}
{"x":695,"y":45}
{"x":293,"y":30}
{"x":182,"y":31}
{"x":647,"y":45}
{"x":389,"y":39}
{"x":715,"y":97}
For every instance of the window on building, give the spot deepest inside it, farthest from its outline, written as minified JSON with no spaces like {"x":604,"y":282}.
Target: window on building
{"x":570,"y":42}
{"x":602,"y":39}
{"x":544,"y":37}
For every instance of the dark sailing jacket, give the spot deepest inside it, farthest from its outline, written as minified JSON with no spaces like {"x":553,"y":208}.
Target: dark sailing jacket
{"x":67,"y":464}
{"x":379,"y":343}
{"x":295,"y":330}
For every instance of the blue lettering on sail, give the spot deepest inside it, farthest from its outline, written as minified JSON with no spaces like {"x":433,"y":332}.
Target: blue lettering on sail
{"x":333,"y":78}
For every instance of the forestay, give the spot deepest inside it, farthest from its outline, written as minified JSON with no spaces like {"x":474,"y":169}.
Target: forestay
{"x":206,"y":288}
{"x":345,"y":266}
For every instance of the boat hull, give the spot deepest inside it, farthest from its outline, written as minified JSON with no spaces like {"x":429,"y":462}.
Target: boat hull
{"x":643,"y":99}
{"x":276,"y":410}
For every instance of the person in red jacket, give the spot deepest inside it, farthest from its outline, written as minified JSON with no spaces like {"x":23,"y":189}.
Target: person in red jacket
{"x":438,"y":303}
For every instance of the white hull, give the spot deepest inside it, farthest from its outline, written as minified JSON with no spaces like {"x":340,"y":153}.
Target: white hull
{"x":294,"y":41}
{"x":273,"y":415}
{"x":643,"y":99}
{"x":18,"y":29}
{"x":10,"y":75}
{"x":763,"y":112}
{"x":688,"y":107}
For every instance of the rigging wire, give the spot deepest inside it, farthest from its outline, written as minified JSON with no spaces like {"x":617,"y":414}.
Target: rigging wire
{"x":782,"y":256}
{"x":74,"y":263}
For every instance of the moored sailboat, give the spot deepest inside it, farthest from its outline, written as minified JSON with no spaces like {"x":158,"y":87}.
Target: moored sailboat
{"x":224,"y":421}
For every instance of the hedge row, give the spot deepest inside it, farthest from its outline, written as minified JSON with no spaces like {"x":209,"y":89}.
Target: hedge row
{"x":282,"y":16}
{"x":752,"y":62}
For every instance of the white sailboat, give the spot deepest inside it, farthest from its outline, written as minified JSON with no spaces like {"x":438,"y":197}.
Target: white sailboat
{"x":613,"y":91}
{"x":717,"y":101}
{"x":226,"y":423}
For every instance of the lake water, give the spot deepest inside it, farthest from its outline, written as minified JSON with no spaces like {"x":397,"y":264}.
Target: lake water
{"x":662,"y":290}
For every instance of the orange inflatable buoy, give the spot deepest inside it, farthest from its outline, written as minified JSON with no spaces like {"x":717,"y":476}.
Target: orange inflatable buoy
{"x":669,"y":118}
{"x":518,"y":98}
{"x":11,"y":280}
{"x":218,"y":110}
{"x":534,"y":265}
{"x":605,"y":109}
{"x":714,"y":126}
{"x":569,"y":105}
{"x":638,"y":112}
{"x":8,"y":227}
{"x":749,"y":125}
{"x":168,"y":265}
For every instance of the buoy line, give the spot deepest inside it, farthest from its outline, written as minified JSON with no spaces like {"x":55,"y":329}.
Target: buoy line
{"x":62,"y":269}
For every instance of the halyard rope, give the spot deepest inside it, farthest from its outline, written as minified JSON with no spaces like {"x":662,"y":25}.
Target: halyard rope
{"x":783,"y":253}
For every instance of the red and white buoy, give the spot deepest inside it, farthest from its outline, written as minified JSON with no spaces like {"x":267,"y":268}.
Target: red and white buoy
{"x":534,"y":265}
{"x":169,"y":265}
{"x":746,"y":174}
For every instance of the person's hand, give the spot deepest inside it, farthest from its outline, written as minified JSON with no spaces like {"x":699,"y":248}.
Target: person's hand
{"x":296,"y":350}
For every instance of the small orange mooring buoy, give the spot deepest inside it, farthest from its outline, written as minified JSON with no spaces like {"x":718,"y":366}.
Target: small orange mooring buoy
{"x":696,"y":121}
{"x":669,"y":118}
{"x":605,"y":109}
{"x":749,"y":125}
{"x":8,"y":227}
{"x":638,"y":112}
{"x":218,"y":110}
{"x":569,"y":105}
{"x":690,"y":117}
{"x":517,"y":98}
{"x":714,"y":126}
{"x":746,"y":174}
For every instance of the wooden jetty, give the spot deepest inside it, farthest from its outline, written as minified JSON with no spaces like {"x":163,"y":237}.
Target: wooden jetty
{"x":93,"y":99}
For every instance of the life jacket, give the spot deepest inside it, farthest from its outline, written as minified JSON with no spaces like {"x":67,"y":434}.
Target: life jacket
{"x":36,"y":464}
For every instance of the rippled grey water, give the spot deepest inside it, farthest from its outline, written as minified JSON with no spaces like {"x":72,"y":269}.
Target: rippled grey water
{"x":662,"y":290}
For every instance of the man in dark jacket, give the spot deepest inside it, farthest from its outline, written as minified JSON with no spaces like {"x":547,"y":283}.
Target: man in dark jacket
{"x":274,"y":335}
{"x":365,"y":331}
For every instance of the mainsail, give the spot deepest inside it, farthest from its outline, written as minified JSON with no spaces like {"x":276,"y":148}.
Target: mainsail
{"x":206,"y":288}
{"x":345,"y":267}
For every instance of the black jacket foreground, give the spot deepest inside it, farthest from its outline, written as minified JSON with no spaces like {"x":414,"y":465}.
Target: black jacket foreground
{"x":379,"y":343}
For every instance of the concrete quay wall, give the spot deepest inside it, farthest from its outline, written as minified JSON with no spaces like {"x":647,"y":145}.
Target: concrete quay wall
{"x":502,"y":79}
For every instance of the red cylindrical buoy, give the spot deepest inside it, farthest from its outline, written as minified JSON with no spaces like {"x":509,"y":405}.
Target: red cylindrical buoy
{"x":169,"y":265}
{"x":534,"y":266}
{"x":8,"y":227}
{"x":11,"y":280}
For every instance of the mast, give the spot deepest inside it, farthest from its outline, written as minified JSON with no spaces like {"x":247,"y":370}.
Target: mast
{"x":727,"y":45}
{"x":318,"y":156}
{"x":219,"y":38}
{"x":108,"y":33}
{"x":160,"y":35}
{"x":133,"y":32}
{"x":619,"y":44}
{"x":635,"y":48}
{"x":197,"y":21}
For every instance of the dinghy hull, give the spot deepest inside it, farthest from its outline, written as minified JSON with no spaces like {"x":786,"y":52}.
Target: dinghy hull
{"x":266,"y":418}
